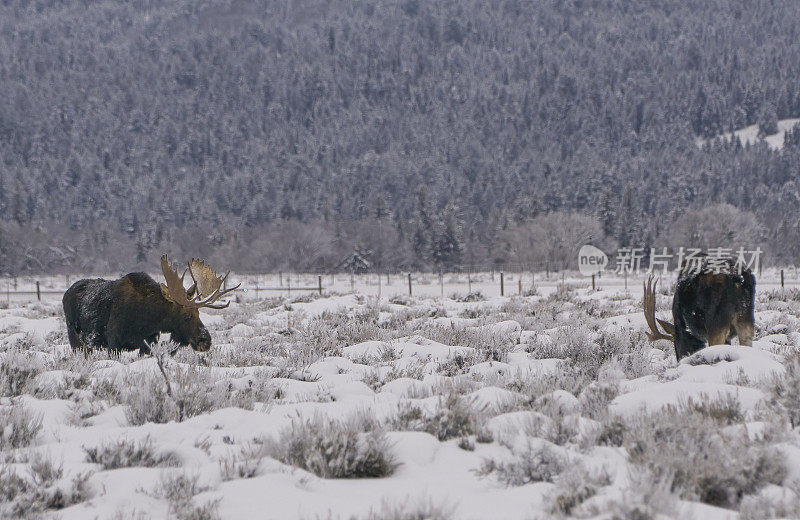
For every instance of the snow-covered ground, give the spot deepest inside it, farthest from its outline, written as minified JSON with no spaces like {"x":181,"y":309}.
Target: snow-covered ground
{"x":749,"y":134}
{"x":350,"y":406}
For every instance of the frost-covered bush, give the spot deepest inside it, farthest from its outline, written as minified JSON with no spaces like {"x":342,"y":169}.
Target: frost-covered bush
{"x":474,"y":296}
{"x":573,"y":487}
{"x":179,"y":489}
{"x":536,"y":462}
{"x":783,"y":503}
{"x":785,"y":390}
{"x":126,"y":453}
{"x":331,"y":448}
{"x":703,"y":461}
{"x":596,"y":397}
{"x":454,"y":417}
{"x":147,"y":401}
{"x":552,"y":425}
{"x":18,"y":426}
{"x":489,"y":346}
{"x":645,"y":498}
{"x":242,"y":465}
{"x":421,"y":510}
{"x":43,"y":489}
{"x":326,"y":334}
{"x":17,"y":373}
{"x":178,"y":392}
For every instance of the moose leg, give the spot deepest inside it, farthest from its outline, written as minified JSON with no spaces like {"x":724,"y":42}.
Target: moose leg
{"x":686,"y":344}
{"x":718,"y":336}
{"x":731,"y":335}
{"x":744,"y":329}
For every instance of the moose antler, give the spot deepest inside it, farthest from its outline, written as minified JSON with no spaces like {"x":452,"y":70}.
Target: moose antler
{"x":649,"y":302}
{"x":206,"y":285}
{"x":173,"y":290}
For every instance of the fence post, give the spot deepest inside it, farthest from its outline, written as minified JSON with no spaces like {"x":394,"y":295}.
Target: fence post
{"x":441,"y":282}
{"x":520,"y":285}
{"x":781,"y":278}
{"x":409,"y":284}
{"x":593,"y":283}
{"x":379,"y":286}
{"x":469,"y":283}
{"x":352,"y":283}
{"x":280,"y":279}
{"x":39,"y":293}
{"x":502,"y":291}
{"x":289,"y":284}
{"x":319,"y":283}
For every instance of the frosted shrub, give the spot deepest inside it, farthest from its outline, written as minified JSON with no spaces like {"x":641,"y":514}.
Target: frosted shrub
{"x":454,"y":417}
{"x":759,"y":507}
{"x":646,"y":498}
{"x":785,"y":390}
{"x":704,"y":464}
{"x":18,"y":427}
{"x":332,"y":448}
{"x":573,"y":487}
{"x":175,"y":393}
{"x":148,"y":401}
{"x":534,"y":463}
{"x":125,"y":454}
{"x":474,"y":296}
{"x":488,"y":345}
{"x":179,"y":490}
{"x":17,"y":372}
{"x":421,"y":510}
{"x":242,"y":465}
{"x":44,"y":489}
{"x":596,"y":397}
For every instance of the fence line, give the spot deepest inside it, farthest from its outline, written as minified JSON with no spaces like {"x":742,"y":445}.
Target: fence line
{"x":416,"y":282}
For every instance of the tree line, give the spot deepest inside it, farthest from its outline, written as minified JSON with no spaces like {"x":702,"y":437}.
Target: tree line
{"x":429,"y":134}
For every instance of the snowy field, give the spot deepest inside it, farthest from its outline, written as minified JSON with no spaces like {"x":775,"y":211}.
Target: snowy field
{"x":549,"y":404}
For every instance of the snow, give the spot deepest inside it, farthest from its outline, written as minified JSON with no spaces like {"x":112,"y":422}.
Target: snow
{"x":515,"y":393}
{"x":749,"y":134}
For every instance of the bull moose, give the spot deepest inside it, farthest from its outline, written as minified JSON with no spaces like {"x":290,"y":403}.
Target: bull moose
{"x":129,"y":313}
{"x":713,"y":302}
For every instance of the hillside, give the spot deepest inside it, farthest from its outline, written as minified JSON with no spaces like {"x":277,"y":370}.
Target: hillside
{"x":150,"y":124}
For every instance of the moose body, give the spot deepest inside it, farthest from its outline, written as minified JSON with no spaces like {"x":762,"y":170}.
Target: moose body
{"x":712,"y":305}
{"x":129,"y":313}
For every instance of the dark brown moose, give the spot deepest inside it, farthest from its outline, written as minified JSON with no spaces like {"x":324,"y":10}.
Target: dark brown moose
{"x":129,"y":313}
{"x":713,"y":303}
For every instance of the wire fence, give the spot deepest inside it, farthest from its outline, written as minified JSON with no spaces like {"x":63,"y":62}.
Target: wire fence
{"x":388,"y":285}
